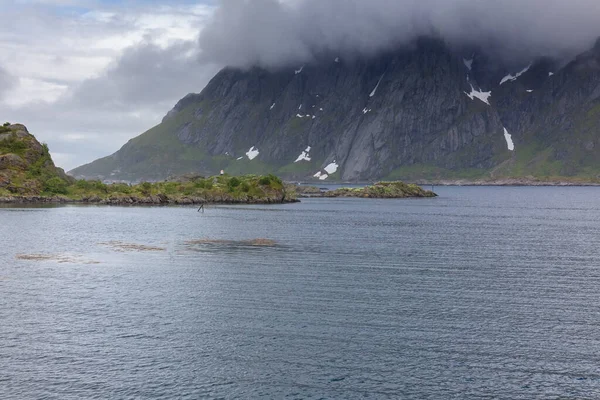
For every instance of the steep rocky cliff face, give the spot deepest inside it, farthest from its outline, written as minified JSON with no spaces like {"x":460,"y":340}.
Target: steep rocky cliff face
{"x":554,"y":116}
{"x":420,"y":112}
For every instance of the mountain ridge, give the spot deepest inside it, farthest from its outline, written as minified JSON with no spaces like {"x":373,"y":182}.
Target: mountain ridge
{"x":415,"y":113}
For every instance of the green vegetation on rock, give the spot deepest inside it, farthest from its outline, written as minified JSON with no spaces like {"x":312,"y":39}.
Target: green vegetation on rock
{"x":26,"y":167}
{"x":383,"y":190}
{"x":379,"y":190}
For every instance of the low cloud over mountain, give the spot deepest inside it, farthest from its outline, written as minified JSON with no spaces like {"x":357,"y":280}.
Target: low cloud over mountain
{"x":275,"y":33}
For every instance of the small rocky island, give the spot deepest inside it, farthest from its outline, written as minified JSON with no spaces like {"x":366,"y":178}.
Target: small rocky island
{"x":383,"y":190}
{"x":379,"y":190}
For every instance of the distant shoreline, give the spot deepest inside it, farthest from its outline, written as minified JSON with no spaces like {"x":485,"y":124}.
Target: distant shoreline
{"x":465,"y":182}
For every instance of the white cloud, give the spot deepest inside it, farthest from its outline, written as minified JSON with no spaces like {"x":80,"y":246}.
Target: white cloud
{"x":27,"y":90}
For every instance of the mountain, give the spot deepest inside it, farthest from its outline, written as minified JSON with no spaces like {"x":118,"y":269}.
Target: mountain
{"x":26,"y":167}
{"x":425,"y":111}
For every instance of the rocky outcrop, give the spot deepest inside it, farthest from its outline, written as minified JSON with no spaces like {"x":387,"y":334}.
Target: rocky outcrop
{"x":12,"y":161}
{"x":25,"y":163}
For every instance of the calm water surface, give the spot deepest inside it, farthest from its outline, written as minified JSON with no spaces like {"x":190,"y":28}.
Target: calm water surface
{"x":481,"y":293}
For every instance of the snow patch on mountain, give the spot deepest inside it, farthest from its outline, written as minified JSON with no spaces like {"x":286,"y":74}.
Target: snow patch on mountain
{"x":376,"y":87}
{"x":512,"y":78}
{"x":509,"y":141}
{"x":332,"y":168}
{"x":252,"y":153}
{"x":304,"y":156}
{"x":468,"y":63}
{"x":483,"y":96}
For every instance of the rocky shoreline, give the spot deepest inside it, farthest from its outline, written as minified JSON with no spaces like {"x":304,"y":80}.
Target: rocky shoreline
{"x":381,"y":190}
{"x":157,"y":200}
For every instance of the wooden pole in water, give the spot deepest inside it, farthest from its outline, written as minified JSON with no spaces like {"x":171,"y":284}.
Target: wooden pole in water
{"x":201,"y":208}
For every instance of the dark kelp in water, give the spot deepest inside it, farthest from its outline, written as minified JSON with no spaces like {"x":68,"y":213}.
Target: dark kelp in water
{"x":58,"y":258}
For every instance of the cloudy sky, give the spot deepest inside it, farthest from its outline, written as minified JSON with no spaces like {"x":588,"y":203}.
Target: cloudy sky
{"x":87,"y":75}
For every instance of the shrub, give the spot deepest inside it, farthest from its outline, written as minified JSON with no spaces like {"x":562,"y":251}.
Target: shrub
{"x":265,"y":180}
{"x":146,"y":188}
{"x":170,"y":188}
{"x":119,"y":188}
{"x":208,"y":184}
{"x":245,"y":187}
{"x":83,"y":184}
{"x":6,"y":124}
{"x":56,"y":186}
{"x":98,"y":185}
{"x":233,"y":183}
{"x":275,"y":179}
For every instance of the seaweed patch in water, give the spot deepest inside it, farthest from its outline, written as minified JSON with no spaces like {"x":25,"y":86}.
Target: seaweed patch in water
{"x":252,"y":242}
{"x":58,"y":258}
{"x":122,"y":247}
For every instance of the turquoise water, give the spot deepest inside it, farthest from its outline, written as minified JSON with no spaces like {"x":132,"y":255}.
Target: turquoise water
{"x":480,"y":293}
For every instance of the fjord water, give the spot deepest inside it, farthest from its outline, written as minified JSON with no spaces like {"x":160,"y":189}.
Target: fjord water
{"x":480,"y":293}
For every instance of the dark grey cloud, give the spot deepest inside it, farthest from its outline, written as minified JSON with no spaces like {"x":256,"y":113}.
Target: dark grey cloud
{"x":275,"y":33}
{"x":145,"y":75}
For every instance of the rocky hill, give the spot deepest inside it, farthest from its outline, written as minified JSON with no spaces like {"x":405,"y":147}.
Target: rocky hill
{"x":426,"y":111}
{"x":26,"y":167}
